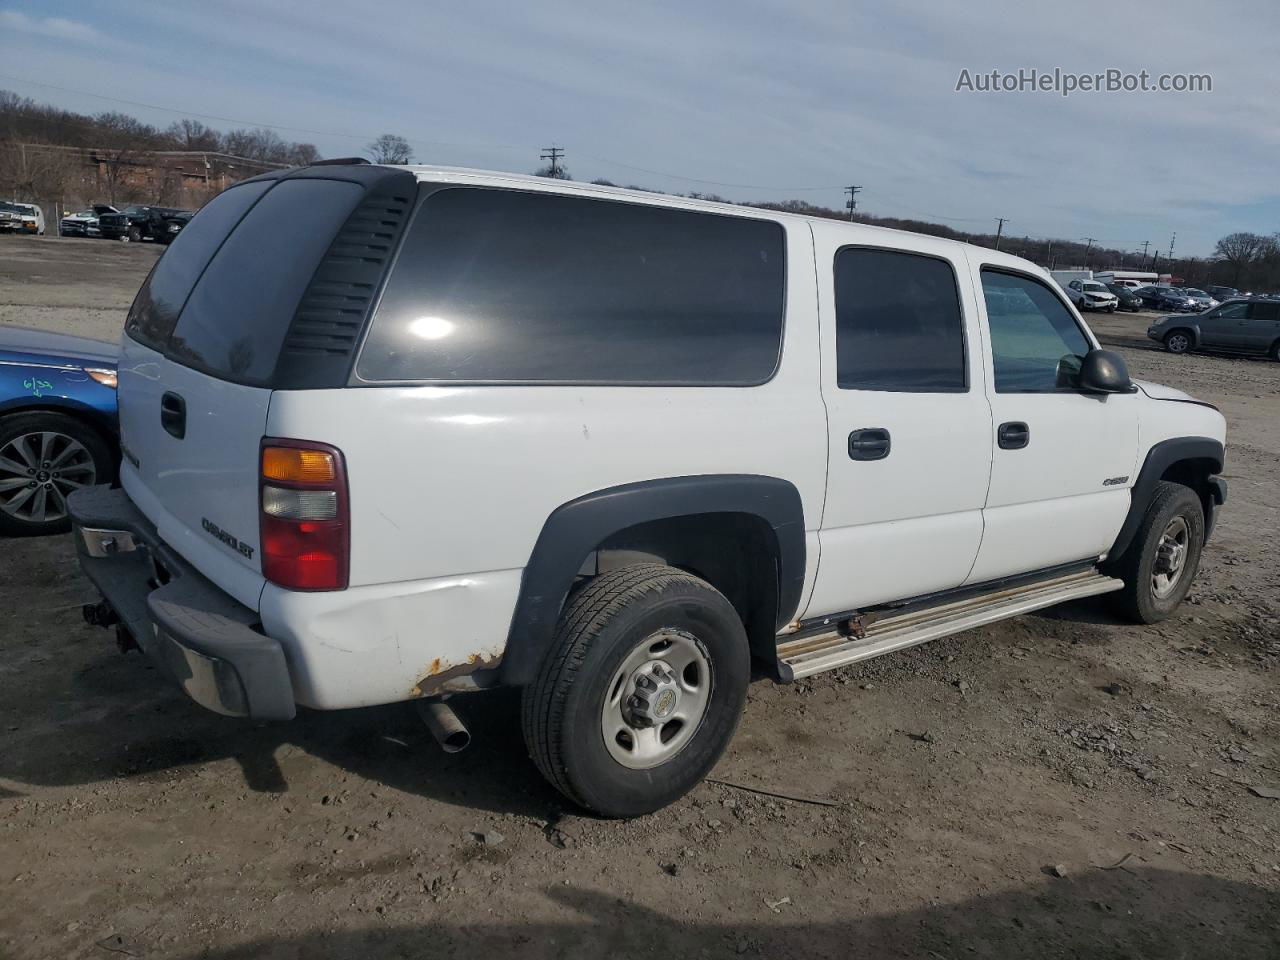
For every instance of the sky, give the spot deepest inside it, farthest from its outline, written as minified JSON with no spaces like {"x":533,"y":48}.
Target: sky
{"x":751,"y":100}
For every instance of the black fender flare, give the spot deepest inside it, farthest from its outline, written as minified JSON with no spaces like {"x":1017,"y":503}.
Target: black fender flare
{"x":1160,"y":458}
{"x":576,"y":528}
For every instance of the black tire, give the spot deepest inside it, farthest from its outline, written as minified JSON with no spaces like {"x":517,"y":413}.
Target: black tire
{"x":1111,"y":308}
{"x":135,"y":234}
{"x":1274,"y":352}
{"x":1138,"y":601}
{"x":1178,"y":341}
{"x":19,"y":425}
{"x":600,"y":627}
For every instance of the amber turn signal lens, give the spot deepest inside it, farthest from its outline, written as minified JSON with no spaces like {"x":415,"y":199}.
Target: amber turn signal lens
{"x":297,"y":466}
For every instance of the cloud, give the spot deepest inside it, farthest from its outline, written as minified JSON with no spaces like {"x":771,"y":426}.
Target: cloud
{"x":58,"y":28}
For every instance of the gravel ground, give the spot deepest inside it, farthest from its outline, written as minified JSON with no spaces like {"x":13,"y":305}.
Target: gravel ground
{"x":1059,"y":785}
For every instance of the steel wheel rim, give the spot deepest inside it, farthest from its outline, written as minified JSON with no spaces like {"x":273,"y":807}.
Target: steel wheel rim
{"x":1171,"y":558}
{"x":657,"y":699}
{"x":38,"y":471}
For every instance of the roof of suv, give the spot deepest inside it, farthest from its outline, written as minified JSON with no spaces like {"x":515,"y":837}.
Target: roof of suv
{"x":465,"y":175}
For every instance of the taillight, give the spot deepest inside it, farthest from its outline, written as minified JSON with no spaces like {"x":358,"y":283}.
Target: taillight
{"x":303,"y":518}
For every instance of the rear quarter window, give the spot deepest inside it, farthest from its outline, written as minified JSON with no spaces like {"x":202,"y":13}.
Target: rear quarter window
{"x":512,"y":287}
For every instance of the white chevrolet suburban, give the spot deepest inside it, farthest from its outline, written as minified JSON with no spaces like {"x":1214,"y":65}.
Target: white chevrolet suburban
{"x":405,"y":433}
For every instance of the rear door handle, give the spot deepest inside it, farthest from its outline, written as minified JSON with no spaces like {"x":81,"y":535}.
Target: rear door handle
{"x":1013,"y":435}
{"x":869,"y":443}
{"x":173,"y":414}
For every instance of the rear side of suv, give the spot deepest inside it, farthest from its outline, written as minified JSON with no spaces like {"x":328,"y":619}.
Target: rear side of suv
{"x":394,"y":434}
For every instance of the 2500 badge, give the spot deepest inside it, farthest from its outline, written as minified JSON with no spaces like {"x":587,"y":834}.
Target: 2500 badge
{"x":212,"y":528}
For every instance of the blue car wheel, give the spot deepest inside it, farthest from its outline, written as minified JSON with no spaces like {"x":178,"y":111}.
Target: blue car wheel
{"x":43,"y":458}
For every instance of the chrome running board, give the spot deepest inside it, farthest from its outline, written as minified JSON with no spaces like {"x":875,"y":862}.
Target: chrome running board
{"x":815,"y":654}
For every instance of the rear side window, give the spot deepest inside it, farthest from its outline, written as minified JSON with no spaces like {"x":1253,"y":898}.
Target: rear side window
{"x":898,"y":323}
{"x":239,"y":312}
{"x":155,"y":310}
{"x":504,"y":286}
{"x":1264,"y":311}
{"x":1036,"y":346}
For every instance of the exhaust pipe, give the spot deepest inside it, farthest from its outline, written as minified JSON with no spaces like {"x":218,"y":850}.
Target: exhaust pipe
{"x":445,"y":725}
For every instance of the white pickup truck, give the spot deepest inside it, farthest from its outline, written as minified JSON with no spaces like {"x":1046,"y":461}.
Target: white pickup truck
{"x":408,"y":433}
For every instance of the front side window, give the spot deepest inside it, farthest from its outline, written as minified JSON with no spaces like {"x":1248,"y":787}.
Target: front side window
{"x":898,"y":323}
{"x":1230,"y":311}
{"x":1036,"y":345}
{"x":503,"y":286}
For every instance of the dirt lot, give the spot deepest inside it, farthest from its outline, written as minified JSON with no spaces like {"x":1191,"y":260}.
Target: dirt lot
{"x":1059,"y":785}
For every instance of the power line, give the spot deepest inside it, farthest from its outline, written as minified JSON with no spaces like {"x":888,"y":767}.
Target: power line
{"x":553,"y":154}
{"x":1000,"y":222}
{"x":852,"y":203}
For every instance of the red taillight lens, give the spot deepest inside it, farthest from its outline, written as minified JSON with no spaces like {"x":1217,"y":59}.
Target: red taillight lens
{"x":303,"y":516}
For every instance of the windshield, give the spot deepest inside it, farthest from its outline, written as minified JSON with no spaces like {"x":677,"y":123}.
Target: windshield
{"x":1095,"y":287}
{"x":1196,"y":293}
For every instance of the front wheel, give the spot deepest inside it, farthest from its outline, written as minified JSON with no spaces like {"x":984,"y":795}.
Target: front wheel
{"x":1179,"y":341}
{"x":1160,"y":563}
{"x":641,"y":691}
{"x":134,"y":234}
{"x":44,"y":457}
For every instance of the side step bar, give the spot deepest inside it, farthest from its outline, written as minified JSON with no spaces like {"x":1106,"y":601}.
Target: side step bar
{"x":809,"y":655}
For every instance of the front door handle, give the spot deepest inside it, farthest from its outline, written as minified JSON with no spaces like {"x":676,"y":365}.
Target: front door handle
{"x":869,"y":443}
{"x":173,"y":414}
{"x":1013,"y":435}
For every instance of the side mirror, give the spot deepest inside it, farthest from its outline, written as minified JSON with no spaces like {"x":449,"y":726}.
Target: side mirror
{"x":1103,"y":371}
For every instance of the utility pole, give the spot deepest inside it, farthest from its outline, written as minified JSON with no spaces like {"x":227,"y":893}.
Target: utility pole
{"x":1049,"y":256}
{"x":1000,"y":222}
{"x":1145,"y":244}
{"x":852,"y":203}
{"x":1172,"y":240}
{"x":1087,"y":247}
{"x":553,"y":156}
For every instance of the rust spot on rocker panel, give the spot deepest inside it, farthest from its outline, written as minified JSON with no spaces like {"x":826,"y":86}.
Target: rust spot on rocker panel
{"x":440,"y":671}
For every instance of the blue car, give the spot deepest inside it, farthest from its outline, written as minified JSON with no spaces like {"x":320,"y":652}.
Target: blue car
{"x":58,"y":427}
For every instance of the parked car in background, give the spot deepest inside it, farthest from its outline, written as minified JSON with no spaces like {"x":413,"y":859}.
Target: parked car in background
{"x":21,"y":218}
{"x":1199,"y":298}
{"x":1126,"y":298}
{"x":84,"y":223}
{"x":1222,"y":294}
{"x":58,"y":428}
{"x":1091,"y":295}
{"x":1166,"y":298}
{"x":173,"y":226}
{"x":142,"y":223}
{"x":728,"y":465}
{"x":1237,"y":326}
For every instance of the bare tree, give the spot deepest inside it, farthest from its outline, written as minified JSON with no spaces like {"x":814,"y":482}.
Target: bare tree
{"x":390,"y":148}
{"x":1241,"y":251}
{"x":193,"y":135}
{"x":556,"y":172}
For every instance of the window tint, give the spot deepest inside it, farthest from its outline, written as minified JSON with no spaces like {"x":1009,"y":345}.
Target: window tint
{"x":1035,"y":342}
{"x":1264,"y":311}
{"x":155,"y":309}
{"x":240,"y":310}
{"x":496,"y":285}
{"x":898,"y":323}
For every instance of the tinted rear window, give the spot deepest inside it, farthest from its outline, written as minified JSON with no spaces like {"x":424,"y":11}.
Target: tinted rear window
{"x":239,"y":312}
{"x":503,"y":286}
{"x":247,"y":284}
{"x":898,"y":323}
{"x":155,"y":310}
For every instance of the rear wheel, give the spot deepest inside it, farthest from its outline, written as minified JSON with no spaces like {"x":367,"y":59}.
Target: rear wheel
{"x":641,"y":691}
{"x":43,"y":458}
{"x":1177,"y":341}
{"x":1162,"y":560}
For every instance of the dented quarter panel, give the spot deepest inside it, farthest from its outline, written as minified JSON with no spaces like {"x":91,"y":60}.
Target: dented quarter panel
{"x":390,"y":642}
